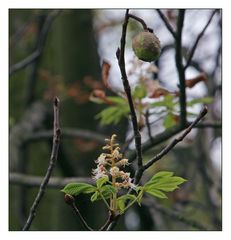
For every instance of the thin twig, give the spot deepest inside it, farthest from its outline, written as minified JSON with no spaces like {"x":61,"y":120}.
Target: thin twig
{"x":180,"y":68}
{"x":176,"y":216}
{"x":176,"y":140}
{"x":54,"y":182}
{"x":166,"y":22}
{"x":139,"y":20}
{"x":148,"y":125}
{"x":77,"y":212}
{"x":33,"y":56}
{"x":128,"y":90}
{"x":110,"y":219}
{"x":198,"y":39}
{"x":53,"y":160}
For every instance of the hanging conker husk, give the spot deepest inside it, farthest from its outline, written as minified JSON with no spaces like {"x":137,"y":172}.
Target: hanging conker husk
{"x":146,"y":46}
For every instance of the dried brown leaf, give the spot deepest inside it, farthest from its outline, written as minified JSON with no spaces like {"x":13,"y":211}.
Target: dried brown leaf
{"x":190,"y":83}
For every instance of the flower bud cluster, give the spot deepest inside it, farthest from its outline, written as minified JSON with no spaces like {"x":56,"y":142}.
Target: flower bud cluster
{"x":110,"y":163}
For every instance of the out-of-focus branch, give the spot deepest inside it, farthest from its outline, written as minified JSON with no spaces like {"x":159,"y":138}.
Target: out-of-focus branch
{"x":54,"y":182}
{"x":53,"y":159}
{"x":166,"y":22}
{"x":180,"y":67}
{"x":176,"y":216}
{"x":68,"y":133}
{"x":198,"y":39}
{"x":33,"y":56}
{"x":127,"y":89}
{"x":176,"y":140}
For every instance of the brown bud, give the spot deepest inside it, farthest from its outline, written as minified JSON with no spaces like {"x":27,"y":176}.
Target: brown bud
{"x":68,"y":199}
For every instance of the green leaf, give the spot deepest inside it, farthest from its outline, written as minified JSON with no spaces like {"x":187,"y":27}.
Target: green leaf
{"x":156,"y":193}
{"x":112,"y":114}
{"x":95,"y":196}
{"x":75,"y":189}
{"x":163,"y":181}
{"x":122,"y":200}
{"x":117,"y":100}
{"x":204,"y":100}
{"x":107,"y":191}
{"x":167,"y":102}
{"x":101,"y":181}
{"x":169,"y":120}
{"x":139,"y":92}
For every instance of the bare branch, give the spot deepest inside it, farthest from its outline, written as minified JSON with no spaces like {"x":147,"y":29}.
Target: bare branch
{"x":68,"y":133}
{"x":128,"y":90}
{"x":176,"y":140}
{"x":166,"y":22}
{"x":54,"y":182}
{"x":174,"y":215}
{"x":198,"y":39}
{"x":180,"y":68}
{"x":33,"y":56}
{"x":53,"y":160}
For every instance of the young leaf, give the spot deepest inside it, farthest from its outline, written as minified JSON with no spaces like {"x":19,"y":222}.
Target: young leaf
{"x":162,"y":181}
{"x":95,"y":196}
{"x":117,"y":100}
{"x":105,"y":72}
{"x":101,"y":181}
{"x":107,"y":191}
{"x":169,"y":120}
{"x":75,"y":189}
{"x":113,"y":114}
{"x":156,"y":193}
{"x":122,"y":200}
{"x":205,"y":100}
{"x":139,"y":92}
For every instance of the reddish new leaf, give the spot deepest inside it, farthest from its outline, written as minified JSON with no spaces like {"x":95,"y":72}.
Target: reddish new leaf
{"x":105,"y":73}
{"x":190,"y":83}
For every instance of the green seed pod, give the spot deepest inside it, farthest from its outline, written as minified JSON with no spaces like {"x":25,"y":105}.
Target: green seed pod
{"x":146,"y":46}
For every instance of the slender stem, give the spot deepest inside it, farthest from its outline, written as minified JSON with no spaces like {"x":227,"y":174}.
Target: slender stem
{"x":176,"y":140}
{"x":166,"y":22}
{"x":130,"y":204}
{"x":106,"y":203}
{"x":53,"y":160}
{"x":77,"y":212}
{"x":198,"y":39}
{"x":128,"y":90}
{"x":180,"y":68}
{"x":139,"y":20}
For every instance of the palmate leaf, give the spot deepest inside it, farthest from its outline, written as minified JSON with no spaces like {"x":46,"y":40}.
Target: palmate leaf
{"x":113,"y":114}
{"x":122,"y":200}
{"x":204,"y":100}
{"x":107,"y":191}
{"x":75,"y":189}
{"x":162,"y":181}
{"x":101,"y":181}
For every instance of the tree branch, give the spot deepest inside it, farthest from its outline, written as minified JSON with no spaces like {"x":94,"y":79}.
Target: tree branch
{"x":68,"y":132}
{"x":120,"y":54}
{"x":174,"y":215}
{"x":176,"y":140}
{"x":54,"y":182}
{"x":198,"y":39}
{"x":180,"y":68}
{"x":167,"y":24}
{"x":53,"y":159}
{"x":33,"y":56}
